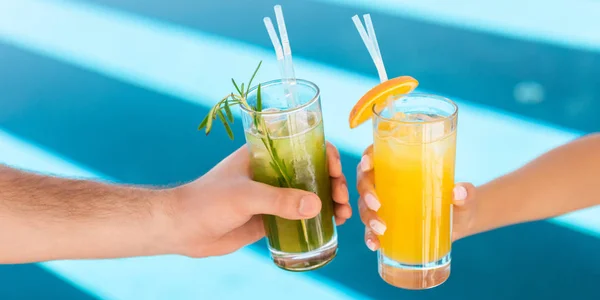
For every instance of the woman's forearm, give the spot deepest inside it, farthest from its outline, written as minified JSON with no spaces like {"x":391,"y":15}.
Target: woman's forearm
{"x":563,"y":180}
{"x":46,"y":218}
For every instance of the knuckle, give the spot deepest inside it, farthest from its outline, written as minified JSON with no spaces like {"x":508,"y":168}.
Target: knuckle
{"x":360,"y":183}
{"x":280,"y":200}
{"x":364,"y":213}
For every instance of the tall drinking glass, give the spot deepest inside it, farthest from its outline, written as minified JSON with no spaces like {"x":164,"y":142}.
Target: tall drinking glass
{"x":414,"y":153}
{"x":287,"y":148}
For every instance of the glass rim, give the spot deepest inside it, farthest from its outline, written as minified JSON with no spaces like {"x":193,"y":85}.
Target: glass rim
{"x":289,"y":110}
{"x":422,"y":95}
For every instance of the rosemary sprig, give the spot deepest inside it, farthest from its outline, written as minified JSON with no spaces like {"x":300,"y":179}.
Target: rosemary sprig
{"x":222,"y":112}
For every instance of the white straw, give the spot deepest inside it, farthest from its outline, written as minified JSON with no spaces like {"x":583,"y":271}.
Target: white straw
{"x":364,"y":35}
{"x":371,"y":32}
{"x":288,"y":66}
{"x":277,"y":46}
{"x":274,"y":38}
{"x":288,"y":77}
{"x":285,"y":42}
{"x":370,"y":40}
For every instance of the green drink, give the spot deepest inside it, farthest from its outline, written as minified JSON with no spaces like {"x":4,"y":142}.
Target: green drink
{"x":287,"y":146}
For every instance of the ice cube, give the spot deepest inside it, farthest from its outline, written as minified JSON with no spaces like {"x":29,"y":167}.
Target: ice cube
{"x":386,"y":129}
{"x":421,"y":117}
{"x":301,"y":120}
{"x":400,"y":116}
{"x":284,"y":125}
{"x":427,"y":131}
{"x":271,"y":119}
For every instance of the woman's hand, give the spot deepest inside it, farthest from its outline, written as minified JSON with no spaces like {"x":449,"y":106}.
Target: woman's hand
{"x":368,"y":204}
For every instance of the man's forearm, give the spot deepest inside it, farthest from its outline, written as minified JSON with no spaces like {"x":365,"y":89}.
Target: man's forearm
{"x":563,"y":180}
{"x":46,"y":218}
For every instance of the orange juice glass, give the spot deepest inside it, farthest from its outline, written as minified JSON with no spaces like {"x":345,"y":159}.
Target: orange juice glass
{"x":414,"y":153}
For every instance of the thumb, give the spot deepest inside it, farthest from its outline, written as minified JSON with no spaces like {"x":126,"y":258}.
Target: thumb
{"x":287,"y":203}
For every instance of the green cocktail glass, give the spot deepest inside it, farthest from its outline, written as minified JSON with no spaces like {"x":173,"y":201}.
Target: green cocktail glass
{"x":287,"y":147}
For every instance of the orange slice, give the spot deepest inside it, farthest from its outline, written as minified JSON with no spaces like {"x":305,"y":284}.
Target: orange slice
{"x":378,"y":95}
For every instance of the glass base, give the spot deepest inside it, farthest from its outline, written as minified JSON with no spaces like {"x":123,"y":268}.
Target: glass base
{"x":414,"y":277}
{"x":307,"y":261}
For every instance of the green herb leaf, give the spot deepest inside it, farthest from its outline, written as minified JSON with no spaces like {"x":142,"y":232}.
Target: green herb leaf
{"x":271,"y":145}
{"x":236,"y":86}
{"x":284,"y":166}
{"x":211,"y":117}
{"x":252,"y":78}
{"x":203,"y":124}
{"x":224,"y":121}
{"x":255,"y":121}
{"x":222,"y":110}
{"x":228,"y":112}
{"x":258,"y":99}
{"x":281,"y":182}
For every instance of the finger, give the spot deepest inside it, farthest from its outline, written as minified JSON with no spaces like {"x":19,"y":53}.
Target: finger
{"x":248,"y":233}
{"x":371,"y":240}
{"x":366,"y":161}
{"x":258,"y":198}
{"x":369,"y":150}
{"x":343,"y":211}
{"x":333,"y":160}
{"x":364,"y":180}
{"x":463,"y":193}
{"x":340,"y":190}
{"x":340,"y":221}
{"x":464,"y":209}
{"x":370,"y":219}
{"x":366,"y":190}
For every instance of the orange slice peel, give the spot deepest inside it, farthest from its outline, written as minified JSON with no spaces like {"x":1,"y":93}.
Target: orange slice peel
{"x":378,"y":96}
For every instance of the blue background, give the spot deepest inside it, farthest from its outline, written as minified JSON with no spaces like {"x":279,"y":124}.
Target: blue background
{"x":114,"y":90}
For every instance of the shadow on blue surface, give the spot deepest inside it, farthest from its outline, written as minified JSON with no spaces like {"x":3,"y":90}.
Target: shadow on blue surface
{"x":472,"y":65}
{"x":139,"y":136}
{"x":24,"y":282}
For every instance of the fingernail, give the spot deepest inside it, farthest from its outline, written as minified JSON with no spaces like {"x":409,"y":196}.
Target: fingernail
{"x":377,"y":226}
{"x":371,"y":245}
{"x":460,"y":193}
{"x":372,"y":202}
{"x":308,"y":205}
{"x":365,"y":163}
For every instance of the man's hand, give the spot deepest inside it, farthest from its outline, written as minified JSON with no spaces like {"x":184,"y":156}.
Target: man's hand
{"x":221,"y":211}
{"x":48,"y":218}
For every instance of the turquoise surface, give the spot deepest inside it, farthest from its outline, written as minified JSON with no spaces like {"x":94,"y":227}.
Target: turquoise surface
{"x":114,"y":90}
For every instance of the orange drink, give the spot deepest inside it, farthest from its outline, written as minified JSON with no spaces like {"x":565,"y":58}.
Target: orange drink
{"x":417,"y":217}
{"x":414,"y":152}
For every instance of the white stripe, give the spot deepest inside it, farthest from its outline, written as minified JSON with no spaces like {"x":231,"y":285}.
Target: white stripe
{"x":572,"y":23}
{"x":24,"y":155}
